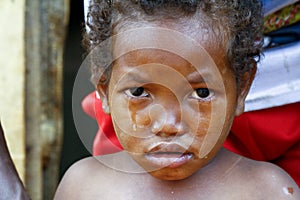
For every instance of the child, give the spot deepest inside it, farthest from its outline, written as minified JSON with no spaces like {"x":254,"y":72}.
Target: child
{"x":173,"y":75}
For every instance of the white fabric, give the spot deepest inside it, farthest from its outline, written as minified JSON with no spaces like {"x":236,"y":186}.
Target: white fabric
{"x":278,"y":78}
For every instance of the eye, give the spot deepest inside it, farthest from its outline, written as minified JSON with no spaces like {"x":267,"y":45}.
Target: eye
{"x":202,"y":94}
{"x":136,"y":92}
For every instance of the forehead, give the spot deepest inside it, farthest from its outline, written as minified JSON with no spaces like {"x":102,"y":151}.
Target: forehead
{"x":190,"y":46}
{"x":153,"y":56}
{"x":198,"y":27}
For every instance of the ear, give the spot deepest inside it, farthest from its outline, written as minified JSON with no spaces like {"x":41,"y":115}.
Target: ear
{"x":246,"y":82}
{"x":102,"y":93}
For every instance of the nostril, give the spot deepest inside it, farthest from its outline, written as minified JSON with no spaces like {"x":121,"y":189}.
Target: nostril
{"x":167,"y":129}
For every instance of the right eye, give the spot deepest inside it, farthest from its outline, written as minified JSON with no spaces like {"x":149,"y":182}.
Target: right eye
{"x":136,"y":92}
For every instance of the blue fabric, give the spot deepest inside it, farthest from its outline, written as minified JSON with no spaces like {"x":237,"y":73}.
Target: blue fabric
{"x":285,"y":35}
{"x":271,"y":6}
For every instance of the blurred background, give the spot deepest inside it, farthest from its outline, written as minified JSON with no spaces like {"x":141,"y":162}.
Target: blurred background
{"x":41,"y":53}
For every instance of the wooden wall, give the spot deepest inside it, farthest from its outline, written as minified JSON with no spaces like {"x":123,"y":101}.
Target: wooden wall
{"x":12,"y":79}
{"x":32,"y":43}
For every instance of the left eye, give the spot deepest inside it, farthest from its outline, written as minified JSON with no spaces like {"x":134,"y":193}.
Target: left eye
{"x":202,"y":94}
{"x":136,"y":92}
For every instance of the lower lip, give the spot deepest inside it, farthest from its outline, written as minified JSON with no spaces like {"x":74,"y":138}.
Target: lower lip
{"x":171,"y":160}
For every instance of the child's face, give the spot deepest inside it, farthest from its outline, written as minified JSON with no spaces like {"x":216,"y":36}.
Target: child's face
{"x":173,"y":108}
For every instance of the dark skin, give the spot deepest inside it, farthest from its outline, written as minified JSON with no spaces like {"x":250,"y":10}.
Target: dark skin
{"x":11,"y":185}
{"x":168,"y":113}
{"x":223,"y":178}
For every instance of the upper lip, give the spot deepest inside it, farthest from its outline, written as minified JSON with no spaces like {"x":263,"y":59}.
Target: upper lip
{"x":168,"y":147}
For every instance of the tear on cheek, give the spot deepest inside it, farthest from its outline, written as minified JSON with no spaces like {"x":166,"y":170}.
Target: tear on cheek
{"x":139,"y":118}
{"x":147,"y":116}
{"x":142,"y":120}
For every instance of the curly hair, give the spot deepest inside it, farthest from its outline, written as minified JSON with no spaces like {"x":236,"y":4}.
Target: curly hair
{"x":242,"y":20}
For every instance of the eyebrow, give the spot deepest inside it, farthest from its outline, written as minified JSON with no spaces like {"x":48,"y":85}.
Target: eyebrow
{"x":136,"y":77}
{"x":195,"y":77}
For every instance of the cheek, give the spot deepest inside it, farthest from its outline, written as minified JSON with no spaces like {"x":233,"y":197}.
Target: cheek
{"x":130,"y":121}
{"x":213,"y":125}
{"x":129,"y":142}
{"x":197,"y":117}
{"x":140,"y":114}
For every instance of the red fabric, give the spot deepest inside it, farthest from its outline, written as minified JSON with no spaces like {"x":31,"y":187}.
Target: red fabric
{"x":88,"y":105}
{"x":105,"y":141}
{"x":267,"y":135}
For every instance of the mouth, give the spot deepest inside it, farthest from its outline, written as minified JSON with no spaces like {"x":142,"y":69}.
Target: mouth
{"x":168,"y":155}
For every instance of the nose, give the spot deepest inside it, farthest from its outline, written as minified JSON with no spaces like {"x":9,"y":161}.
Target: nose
{"x":166,"y":119}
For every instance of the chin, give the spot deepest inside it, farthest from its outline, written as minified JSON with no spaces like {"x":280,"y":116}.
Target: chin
{"x":168,"y":174}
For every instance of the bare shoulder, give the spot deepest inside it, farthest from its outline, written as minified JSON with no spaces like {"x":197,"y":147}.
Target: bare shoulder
{"x":278,"y":180}
{"x":91,"y":178}
{"x":96,"y":177}
{"x":77,"y":178}
{"x":244,"y":178}
{"x":269,"y":181}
